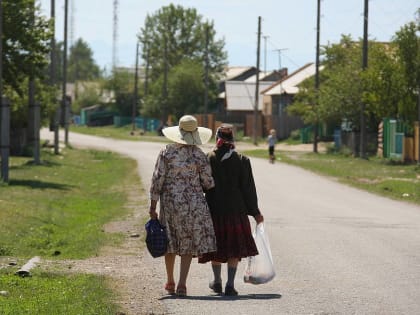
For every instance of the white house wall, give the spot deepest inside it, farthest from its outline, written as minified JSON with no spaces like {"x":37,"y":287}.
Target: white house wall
{"x":240,"y":95}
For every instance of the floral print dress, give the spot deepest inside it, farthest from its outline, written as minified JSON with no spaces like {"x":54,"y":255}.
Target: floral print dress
{"x":182,"y":173}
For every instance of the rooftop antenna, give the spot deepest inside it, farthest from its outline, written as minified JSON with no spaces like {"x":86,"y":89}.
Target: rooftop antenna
{"x":279,"y":51}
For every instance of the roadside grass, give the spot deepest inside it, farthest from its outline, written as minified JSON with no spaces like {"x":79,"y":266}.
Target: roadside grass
{"x":57,"y":210}
{"x":125,"y":133}
{"x":59,"y":207}
{"x":122,"y":133}
{"x":384,"y":177}
{"x":47,"y":293}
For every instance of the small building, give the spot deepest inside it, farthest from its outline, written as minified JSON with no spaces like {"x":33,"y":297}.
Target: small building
{"x":237,"y":97}
{"x":278,"y":96}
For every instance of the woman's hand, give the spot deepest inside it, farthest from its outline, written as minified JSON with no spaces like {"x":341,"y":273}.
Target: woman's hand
{"x":152,"y":212}
{"x":259,"y":218}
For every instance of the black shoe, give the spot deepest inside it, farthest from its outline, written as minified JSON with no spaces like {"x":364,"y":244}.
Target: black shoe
{"x":216,"y":287}
{"x":230,"y":291}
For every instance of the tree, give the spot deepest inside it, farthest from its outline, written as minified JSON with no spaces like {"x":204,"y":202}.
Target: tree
{"x":88,"y":95}
{"x":172,"y":37}
{"x":340,"y":88}
{"x":81,"y":65}
{"x":26,"y":44}
{"x":407,"y":41}
{"x":186,"y":90}
{"x":121,"y":82}
{"x":26,"y":35}
{"x":344,"y":86}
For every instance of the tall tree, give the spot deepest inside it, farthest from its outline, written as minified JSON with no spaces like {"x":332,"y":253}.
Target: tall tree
{"x":344,"y":86}
{"x":121,"y":82}
{"x":183,"y":33}
{"x":408,"y":44}
{"x":81,"y":64}
{"x":26,"y":44}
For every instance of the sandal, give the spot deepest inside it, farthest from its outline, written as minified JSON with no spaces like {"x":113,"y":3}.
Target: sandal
{"x":170,"y":287}
{"x":181,"y":290}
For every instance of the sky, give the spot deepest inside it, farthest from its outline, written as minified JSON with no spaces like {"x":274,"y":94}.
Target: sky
{"x":288,"y":28}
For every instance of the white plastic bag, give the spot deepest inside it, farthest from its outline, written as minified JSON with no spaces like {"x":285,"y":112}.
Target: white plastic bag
{"x":260,"y":269}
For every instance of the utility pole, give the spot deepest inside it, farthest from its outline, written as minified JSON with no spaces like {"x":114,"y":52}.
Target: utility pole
{"x":318,"y":23}
{"x":56,"y":118}
{"x":165,"y":80}
{"x":65,"y":104}
{"x":33,"y":110}
{"x":136,"y":92}
{"x":364,"y":67}
{"x":265,"y":53}
{"x":257,"y":82}
{"x":146,"y":75}
{"x":418,"y":123}
{"x":280,"y":107}
{"x":4,"y":114}
{"x":206,"y":77}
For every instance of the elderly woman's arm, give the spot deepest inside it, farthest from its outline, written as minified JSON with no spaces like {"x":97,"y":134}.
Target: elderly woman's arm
{"x":152,"y":210}
{"x":157,"y":183}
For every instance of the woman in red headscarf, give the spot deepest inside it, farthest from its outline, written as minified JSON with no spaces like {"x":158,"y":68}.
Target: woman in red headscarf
{"x":231,"y":201}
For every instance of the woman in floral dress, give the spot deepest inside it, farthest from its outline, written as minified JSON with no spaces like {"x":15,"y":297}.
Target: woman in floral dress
{"x":182,"y":174}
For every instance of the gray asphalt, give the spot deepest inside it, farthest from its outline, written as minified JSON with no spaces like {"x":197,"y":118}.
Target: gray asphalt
{"x":337,"y":250}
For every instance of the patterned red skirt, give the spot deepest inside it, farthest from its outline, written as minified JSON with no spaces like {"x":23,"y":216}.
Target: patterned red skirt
{"x":233,"y":237}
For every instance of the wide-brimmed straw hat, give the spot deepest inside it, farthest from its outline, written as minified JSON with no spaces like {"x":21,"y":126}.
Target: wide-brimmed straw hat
{"x":188,"y":132}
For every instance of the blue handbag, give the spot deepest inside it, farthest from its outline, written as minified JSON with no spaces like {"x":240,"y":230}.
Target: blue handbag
{"x":156,"y":238}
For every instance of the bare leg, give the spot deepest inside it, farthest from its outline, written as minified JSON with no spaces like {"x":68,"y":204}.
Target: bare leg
{"x":184,"y":269}
{"x":170,"y":264}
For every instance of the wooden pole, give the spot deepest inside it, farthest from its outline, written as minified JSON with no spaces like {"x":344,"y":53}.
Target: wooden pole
{"x":65,"y":104}
{"x":257,"y":83}
{"x":206,"y":78}
{"x":4,"y":114}
{"x":33,"y":110}
{"x":136,"y":96}
{"x":364,"y":67}
{"x":318,"y":23}
{"x":56,"y":118}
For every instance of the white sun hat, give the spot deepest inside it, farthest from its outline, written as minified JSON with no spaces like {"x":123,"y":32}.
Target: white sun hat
{"x":188,"y":132}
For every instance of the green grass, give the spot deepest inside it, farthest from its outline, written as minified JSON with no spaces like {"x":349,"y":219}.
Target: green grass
{"x":59,"y":207}
{"x":384,"y":177}
{"x":125,"y":133}
{"x":57,"y":210}
{"x":122,"y":133}
{"x":46,"y":293}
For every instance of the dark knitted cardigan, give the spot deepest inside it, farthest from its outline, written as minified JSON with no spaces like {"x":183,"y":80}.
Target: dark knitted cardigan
{"x":234,"y":190}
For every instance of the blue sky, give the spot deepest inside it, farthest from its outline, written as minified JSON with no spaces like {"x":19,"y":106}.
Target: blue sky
{"x":288,"y":26}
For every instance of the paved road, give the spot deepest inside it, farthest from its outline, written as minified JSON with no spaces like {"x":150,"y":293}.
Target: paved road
{"x":337,"y":250}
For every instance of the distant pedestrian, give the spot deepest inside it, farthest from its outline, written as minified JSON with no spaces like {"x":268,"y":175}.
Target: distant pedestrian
{"x":271,"y":145}
{"x":231,"y":201}
{"x":182,"y":174}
